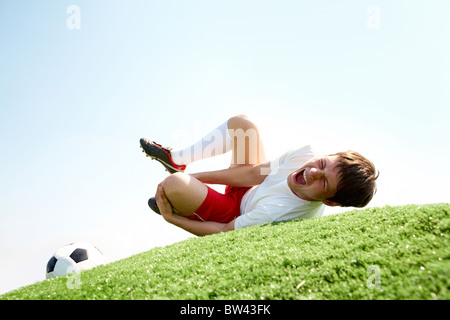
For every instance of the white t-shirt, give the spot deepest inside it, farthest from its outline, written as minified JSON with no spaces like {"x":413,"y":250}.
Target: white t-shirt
{"x":273,"y":200}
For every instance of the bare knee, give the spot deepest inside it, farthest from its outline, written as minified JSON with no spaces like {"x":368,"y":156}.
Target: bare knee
{"x":175,"y":183}
{"x":184,"y":192}
{"x":241,"y":121}
{"x":241,"y":116}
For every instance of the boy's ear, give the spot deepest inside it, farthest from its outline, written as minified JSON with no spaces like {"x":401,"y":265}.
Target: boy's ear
{"x":331,"y":203}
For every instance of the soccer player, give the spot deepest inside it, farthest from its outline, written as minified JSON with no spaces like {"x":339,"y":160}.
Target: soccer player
{"x":296,"y":185}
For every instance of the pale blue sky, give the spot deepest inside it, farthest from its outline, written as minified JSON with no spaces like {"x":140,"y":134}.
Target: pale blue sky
{"x":74,"y":103}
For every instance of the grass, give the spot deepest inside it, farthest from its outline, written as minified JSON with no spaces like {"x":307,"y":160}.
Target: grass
{"x":332,"y":257}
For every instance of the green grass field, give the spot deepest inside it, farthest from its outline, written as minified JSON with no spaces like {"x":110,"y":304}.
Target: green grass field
{"x":377,"y":253}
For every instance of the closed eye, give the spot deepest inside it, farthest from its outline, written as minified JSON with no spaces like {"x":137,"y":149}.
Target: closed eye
{"x":325,"y":182}
{"x":324,"y":163}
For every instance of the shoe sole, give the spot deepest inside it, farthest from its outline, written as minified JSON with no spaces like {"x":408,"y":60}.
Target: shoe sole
{"x":168,"y":167}
{"x":152,"y":204}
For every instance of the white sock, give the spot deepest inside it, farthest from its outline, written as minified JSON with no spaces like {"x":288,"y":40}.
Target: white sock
{"x":215,"y":143}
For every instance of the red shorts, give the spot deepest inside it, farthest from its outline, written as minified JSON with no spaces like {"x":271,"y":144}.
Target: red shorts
{"x":220,"y":207}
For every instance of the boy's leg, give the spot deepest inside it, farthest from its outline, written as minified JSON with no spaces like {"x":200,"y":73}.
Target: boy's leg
{"x":239,"y":134}
{"x":186,"y":194}
{"x":247,"y":145}
{"x":217,"y":142}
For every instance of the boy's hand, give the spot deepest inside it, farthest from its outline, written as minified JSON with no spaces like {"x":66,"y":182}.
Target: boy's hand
{"x":165,"y":208}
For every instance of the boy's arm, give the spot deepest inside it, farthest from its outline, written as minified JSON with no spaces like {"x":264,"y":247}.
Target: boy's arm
{"x":199,"y":228}
{"x":243,"y":176}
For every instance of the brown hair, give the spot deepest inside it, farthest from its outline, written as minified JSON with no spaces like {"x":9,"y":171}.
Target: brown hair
{"x":356,"y":177}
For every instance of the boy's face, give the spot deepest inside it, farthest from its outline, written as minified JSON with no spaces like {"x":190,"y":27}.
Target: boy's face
{"x":317,"y":180}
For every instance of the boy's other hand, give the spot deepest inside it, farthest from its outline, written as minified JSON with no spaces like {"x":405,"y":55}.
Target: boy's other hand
{"x":165,"y":208}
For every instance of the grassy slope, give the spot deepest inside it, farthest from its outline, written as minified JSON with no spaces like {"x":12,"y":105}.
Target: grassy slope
{"x":321,"y":258}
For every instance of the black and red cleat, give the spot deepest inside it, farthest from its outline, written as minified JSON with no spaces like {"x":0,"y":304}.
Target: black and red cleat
{"x":153,"y":205}
{"x":161,"y":154}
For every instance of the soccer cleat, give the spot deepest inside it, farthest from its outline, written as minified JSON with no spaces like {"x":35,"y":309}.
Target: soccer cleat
{"x":152,"y":204}
{"x":161,"y":154}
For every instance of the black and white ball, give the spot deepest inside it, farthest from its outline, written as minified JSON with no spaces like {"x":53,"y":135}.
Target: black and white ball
{"x":74,"y":257}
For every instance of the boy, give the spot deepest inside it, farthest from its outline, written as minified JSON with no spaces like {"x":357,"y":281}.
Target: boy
{"x":296,"y":185}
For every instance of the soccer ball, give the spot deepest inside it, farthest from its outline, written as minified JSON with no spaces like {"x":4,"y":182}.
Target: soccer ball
{"x":74,"y":257}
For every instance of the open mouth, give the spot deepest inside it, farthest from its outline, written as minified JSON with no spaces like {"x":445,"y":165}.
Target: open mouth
{"x":300,"y":177}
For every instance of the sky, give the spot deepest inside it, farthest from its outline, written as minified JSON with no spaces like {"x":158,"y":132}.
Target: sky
{"x":82,"y":81}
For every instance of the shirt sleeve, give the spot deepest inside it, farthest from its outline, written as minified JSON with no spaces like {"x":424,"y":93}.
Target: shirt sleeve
{"x":292,"y":159}
{"x":280,"y":161}
{"x":255,"y":217}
